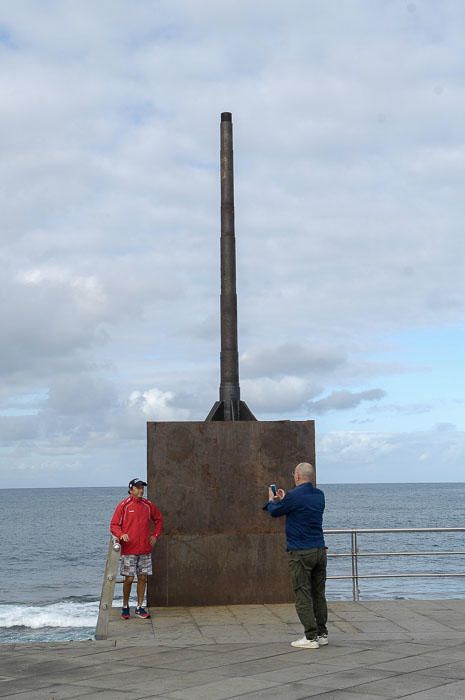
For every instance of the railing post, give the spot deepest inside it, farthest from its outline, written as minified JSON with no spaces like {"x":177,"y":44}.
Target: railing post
{"x":108,"y":587}
{"x":357,"y":590}
{"x":353,"y":558}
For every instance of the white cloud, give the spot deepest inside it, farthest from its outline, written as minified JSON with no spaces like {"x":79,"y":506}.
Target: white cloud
{"x":357,"y":456}
{"x":155,"y":404}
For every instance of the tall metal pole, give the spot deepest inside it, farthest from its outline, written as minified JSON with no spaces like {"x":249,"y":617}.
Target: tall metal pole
{"x":229,"y":407}
{"x":229,"y":387}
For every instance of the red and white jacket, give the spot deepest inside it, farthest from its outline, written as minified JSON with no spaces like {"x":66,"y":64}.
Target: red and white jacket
{"x":134,"y":517}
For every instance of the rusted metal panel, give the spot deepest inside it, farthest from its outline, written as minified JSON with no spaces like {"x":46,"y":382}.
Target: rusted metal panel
{"x":210,"y":482}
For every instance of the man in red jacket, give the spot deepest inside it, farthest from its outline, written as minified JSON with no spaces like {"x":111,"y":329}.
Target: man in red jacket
{"x":137,"y":523}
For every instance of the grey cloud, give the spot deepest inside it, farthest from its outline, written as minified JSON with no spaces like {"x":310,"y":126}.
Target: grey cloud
{"x":18,"y":428}
{"x":295,"y":394}
{"x":81,"y":394}
{"x":267,"y":395}
{"x":85,"y":412}
{"x":289,"y":359}
{"x":412,"y":409}
{"x":445,"y":427}
{"x":344,"y":400}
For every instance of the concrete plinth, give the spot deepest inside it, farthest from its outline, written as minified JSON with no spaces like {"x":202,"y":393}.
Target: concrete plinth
{"x":209,"y":480}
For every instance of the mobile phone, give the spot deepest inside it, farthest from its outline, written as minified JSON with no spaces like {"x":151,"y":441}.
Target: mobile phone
{"x":274,"y":489}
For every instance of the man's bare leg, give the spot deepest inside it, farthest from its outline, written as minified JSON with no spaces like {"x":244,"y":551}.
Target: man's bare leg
{"x":141,"y":584}
{"x":127,"y":590}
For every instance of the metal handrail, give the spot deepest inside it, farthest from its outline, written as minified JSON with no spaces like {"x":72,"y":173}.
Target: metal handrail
{"x":355,"y":554}
{"x":114,"y":547}
{"x":108,"y":588}
{"x":343,"y":531}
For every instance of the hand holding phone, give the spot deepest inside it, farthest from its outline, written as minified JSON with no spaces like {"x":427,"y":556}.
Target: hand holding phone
{"x":272,"y":493}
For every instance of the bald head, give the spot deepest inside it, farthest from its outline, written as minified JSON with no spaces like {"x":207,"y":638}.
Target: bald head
{"x":305,"y":472}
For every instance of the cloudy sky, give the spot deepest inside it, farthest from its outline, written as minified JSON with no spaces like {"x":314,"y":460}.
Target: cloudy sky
{"x":350,"y":163}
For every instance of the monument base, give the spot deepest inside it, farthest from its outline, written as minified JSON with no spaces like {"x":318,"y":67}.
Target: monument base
{"x":210,"y":482}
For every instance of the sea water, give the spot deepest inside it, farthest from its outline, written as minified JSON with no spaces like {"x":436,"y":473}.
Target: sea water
{"x":55,"y":544}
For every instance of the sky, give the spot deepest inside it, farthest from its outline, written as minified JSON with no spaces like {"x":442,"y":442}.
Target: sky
{"x":349,"y":147}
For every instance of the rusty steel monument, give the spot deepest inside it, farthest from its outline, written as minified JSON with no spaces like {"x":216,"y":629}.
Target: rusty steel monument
{"x":209,"y":478}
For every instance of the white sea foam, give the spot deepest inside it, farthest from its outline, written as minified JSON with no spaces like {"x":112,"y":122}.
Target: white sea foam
{"x":63,"y":614}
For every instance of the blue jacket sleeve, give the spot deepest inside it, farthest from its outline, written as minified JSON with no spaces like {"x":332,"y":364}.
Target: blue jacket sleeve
{"x":280,"y":508}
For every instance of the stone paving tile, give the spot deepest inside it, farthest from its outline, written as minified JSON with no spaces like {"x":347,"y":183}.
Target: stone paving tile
{"x":450,"y":638}
{"x":125,"y":652}
{"x":86,"y":674}
{"x":145,"y":684}
{"x":17,"y":685}
{"x":291,"y":674}
{"x":349,"y":679}
{"x":233,"y":646}
{"x":347,"y":695}
{"x":58,"y":692}
{"x":409,"y":648}
{"x":195,"y":662}
{"x":58,"y":670}
{"x":383,"y":625}
{"x":63,"y":692}
{"x":260,"y":613}
{"x":85,"y":647}
{"x":211,"y":660}
{"x":232,"y":632}
{"x":280,"y":669}
{"x":215,"y":615}
{"x":451,"y":691}
{"x":273,"y":633}
{"x":414,"y":620}
{"x":284,"y":613}
{"x":13,"y":664}
{"x":452,"y":670}
{"x":370,"y":657}
{"x":374,"y":637}
{"x":322,"y":663}
{"x":360,"y":613}
{"x":220,"y":690}
{"x":412,"y":663}
{"x":288,"y":691}
{"x":398,"y":685}
{"x":345,"y":627}
{"x":111,"y":695}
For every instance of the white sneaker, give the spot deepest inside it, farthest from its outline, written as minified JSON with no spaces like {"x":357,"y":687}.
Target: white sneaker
{"x":305,"y":643}
{"x":322,"y":640}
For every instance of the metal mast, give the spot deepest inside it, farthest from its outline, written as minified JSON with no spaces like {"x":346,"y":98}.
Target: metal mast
{"x":230,"y":406}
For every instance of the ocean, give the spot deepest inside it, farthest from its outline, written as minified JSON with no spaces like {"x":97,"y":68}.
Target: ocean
{"x":55,"y":543}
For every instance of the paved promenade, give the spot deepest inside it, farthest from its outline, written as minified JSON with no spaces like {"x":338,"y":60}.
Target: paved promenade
{"x":390,"y":649}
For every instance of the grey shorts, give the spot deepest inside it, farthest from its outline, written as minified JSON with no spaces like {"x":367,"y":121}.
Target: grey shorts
{"x":132,"y":564}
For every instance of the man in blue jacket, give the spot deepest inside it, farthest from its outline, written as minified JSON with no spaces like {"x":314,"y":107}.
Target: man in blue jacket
{"x":303,"y":507}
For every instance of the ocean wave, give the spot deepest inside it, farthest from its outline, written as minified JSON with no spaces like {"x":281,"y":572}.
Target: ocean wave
{"x":61,"y":614}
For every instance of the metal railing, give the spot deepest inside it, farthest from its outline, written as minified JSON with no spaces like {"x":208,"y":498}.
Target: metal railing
{"x":108,"y":588}
{"x":114,"y":547}
{"x":110,"y":578}
{"x":355,"y":554}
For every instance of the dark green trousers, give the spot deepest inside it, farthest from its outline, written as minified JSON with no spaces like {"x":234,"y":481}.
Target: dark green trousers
{"x":308,"y":572}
